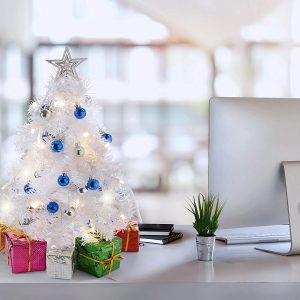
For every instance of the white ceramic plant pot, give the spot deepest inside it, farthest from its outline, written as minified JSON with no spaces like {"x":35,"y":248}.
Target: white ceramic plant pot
{"x":205,"y":247}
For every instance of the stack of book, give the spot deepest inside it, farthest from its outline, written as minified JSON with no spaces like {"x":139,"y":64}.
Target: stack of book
{"x":158,"y":233}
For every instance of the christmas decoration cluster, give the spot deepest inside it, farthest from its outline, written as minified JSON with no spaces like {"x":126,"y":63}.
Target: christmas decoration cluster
{"x":65,"y":184}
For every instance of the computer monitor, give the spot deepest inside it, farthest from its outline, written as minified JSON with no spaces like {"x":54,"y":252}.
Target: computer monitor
{"x":248,"y":140}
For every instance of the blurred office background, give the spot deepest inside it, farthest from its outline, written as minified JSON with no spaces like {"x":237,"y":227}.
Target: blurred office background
{"x":153,"y":65}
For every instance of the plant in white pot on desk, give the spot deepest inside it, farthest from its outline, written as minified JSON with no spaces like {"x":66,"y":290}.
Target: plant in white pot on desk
{"x":206,"y":210}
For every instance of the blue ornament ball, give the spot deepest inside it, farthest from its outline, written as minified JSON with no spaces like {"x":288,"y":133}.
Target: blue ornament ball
{"x":44,"y":106}
{"x":79,"y":112}
{"x":45,"y":136}
{"x":93,"y":184}
{"x":52,"y":207}
{"x":63,"y":180}
{"x":57,"y":146}
{"x":106,"y":137}
{"x":28,"y":189}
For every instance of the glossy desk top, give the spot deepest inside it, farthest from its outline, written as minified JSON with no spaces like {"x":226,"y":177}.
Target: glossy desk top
{"x":177,"y":263}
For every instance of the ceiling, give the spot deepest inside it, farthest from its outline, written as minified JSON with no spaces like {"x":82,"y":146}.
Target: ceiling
{"x":206,"y":22}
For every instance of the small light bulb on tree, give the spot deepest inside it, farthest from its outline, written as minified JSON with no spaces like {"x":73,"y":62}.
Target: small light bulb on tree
{"x":34,"y":104}
{"x":25,"y":172}
{"x":59,"y":103}
{"x":76,"y":203}
{"x":7,"y":207}
{"x":107,"y":197}
{"x":35,"y":204}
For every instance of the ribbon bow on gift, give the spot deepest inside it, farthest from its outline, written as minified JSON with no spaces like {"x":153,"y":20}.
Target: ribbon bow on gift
{"x":22,"y":234}
{"x":130,"y":227}
{"x":107,"y":262}
{"x":4,"y":229}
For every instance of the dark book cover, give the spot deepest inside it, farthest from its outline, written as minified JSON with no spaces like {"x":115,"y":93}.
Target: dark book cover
{"x":161,"y":239}
{"x":156,"y":229}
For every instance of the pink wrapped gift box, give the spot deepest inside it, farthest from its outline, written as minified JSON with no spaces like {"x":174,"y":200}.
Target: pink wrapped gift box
{"x":24,"y":254}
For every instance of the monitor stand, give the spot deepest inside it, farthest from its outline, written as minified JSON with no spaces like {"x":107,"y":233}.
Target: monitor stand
{"x":292,"y":181}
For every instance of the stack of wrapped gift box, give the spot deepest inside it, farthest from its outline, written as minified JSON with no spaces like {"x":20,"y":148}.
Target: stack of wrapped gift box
{"x":98,"y":258}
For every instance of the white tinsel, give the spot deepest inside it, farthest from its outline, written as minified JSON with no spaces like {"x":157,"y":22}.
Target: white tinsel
{"x":95,"y":211}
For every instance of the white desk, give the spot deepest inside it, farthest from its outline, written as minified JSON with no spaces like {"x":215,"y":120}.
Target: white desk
{"x":170,"y":272}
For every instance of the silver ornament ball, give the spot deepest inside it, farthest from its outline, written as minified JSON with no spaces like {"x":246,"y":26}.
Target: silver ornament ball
{"x":70,"y":212}
{"x":88,"y":99}
{"x":82,"y":190}
{"x":79,"y":150}
{"x":45,"y":113}
{"x":37,"y":174}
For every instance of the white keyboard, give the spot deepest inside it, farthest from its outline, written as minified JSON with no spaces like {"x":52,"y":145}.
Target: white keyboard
{"x":254,"y":235}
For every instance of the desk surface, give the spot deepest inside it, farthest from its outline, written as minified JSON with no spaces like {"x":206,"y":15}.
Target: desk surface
{"x":177,"y":263}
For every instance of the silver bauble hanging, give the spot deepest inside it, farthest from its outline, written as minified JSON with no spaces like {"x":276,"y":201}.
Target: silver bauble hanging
{"x":45,"y":113}
{"x":37,"y":174}
{"x":79,"y":150}
{"x":82,"y":190}
{"x":88,"y":99}
{"x":70,"y":212}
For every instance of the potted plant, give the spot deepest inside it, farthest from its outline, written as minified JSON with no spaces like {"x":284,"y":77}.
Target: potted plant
{"x":206,"y":210}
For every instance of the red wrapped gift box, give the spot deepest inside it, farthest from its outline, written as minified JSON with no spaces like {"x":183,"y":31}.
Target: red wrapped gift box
{"x":130,"y":238}
{"x":3,"y":230}
{"x":24,"y":254}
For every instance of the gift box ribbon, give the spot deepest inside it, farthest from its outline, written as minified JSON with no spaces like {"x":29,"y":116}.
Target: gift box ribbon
{"x":130,"y":227}
{"x":62,"y":257}
{"x":107,"y":262}
{"x":20,"y":235}
{"x":4,"y":229}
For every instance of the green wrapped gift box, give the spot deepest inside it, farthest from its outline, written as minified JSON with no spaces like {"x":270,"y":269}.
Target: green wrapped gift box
{"x":99,"y":258}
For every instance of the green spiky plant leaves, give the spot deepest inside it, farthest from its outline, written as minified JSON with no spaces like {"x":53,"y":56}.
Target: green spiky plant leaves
{"x":206,"y":210}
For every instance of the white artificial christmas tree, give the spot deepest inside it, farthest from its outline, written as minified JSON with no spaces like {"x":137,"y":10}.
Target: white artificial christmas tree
{"x":65,"y":183}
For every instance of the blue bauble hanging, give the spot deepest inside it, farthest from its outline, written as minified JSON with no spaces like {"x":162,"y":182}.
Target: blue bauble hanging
{"x":106,"y":137}
{"x":28,"y":189}
{"x":63,"y":180}
{"x":57,"y":146}
{"x":52,"y":207}
{"x":45,"y":136}
{"x":79,"y":112}
{"x":93,"y":184}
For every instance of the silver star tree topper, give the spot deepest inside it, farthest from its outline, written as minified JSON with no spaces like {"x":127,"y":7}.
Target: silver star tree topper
{"x":67,"y":65}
